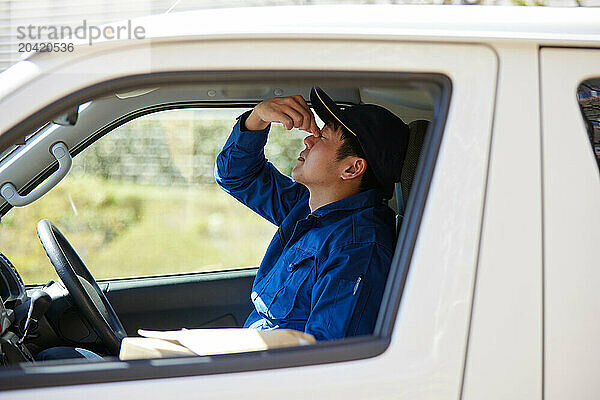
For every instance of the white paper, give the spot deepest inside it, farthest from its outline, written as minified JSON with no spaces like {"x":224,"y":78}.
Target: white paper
{"x":230,"y":340}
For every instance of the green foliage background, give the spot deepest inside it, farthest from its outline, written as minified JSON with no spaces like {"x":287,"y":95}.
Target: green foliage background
{"x":142,"y":201}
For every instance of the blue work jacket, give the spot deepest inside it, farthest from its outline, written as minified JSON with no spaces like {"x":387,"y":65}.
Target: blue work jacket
{"x":324,"y":272}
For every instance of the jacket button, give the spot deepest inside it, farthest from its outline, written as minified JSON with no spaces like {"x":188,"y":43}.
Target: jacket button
{"x":291,"y":267}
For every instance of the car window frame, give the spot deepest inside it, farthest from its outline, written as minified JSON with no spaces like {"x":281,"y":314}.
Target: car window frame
{"x":31,"y":376}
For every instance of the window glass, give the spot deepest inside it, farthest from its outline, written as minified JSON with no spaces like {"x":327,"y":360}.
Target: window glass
{"x":588,"y":96}
{"x":142,"y":200}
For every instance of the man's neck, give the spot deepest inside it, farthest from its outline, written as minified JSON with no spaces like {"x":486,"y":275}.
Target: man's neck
{"x":319,"y":198}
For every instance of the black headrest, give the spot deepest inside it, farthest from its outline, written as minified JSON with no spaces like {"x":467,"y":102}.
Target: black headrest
{"x":415,"y":144}
{"x":417,"y":129}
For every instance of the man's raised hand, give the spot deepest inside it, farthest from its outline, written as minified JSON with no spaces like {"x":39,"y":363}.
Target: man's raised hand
{"x":292,"y":112}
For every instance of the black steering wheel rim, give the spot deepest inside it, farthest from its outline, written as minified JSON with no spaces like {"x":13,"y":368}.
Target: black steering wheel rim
{"x":82,"y":286}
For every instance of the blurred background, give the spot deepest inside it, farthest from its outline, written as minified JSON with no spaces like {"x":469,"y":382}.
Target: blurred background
{"x":143,"y":200}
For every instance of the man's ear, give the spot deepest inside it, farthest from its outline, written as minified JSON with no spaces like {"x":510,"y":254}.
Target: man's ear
{"x":354,"y":168}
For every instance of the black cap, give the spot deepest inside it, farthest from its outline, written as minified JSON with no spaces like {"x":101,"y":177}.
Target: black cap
{"x":381,"y":134}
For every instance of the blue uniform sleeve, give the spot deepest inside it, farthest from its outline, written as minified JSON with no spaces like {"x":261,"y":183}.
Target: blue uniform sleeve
{"x":348,"y":291}
{"x":242,"y":170}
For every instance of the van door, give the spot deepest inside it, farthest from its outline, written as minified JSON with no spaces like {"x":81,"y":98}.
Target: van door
{"x":571,"y":197}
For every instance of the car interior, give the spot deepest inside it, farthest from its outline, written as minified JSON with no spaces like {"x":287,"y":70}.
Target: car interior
{"x":75,"y":310}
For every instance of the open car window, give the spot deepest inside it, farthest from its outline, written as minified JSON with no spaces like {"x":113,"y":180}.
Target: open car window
{"x":140,"y":203}
{"x":142,"y":200}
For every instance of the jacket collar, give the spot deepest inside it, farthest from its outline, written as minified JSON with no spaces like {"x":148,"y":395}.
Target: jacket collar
{"x":368,"y":198}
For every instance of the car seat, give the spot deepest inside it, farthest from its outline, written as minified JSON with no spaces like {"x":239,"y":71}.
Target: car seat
{"x":417,"y":131}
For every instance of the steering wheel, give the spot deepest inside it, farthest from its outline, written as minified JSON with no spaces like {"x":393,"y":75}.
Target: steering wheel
{"x":82,"y":286}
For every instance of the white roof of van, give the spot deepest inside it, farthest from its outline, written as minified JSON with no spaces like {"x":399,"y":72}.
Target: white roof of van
{"x":547,"y":24}
{"x":472,"y":23}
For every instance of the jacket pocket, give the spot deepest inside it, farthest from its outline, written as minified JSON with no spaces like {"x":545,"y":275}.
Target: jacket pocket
{"x":282,"y":297}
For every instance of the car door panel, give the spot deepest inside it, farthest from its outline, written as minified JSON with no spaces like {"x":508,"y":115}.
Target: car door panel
{"x":202,"y":300}
{"x":571,"y":220}
{"x":430,"y":334}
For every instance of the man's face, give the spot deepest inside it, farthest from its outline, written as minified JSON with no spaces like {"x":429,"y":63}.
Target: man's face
{"x":317,"y":166}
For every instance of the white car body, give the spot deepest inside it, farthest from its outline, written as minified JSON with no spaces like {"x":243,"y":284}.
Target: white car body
{"x":500,"y":301}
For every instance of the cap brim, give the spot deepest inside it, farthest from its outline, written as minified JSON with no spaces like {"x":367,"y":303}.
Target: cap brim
{"x":326,"y":108}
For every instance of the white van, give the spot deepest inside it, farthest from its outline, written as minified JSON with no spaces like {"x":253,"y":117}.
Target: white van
{"x":492,"y":291}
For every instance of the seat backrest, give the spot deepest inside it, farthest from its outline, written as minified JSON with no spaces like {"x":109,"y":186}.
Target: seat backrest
{"x":417,"y":130}
{"x":413,"y":153}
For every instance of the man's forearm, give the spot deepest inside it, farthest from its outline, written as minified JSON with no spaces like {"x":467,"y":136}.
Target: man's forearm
{"x":242,"y":154}
{"x":242,"y":170}
{"x":255,"y":123}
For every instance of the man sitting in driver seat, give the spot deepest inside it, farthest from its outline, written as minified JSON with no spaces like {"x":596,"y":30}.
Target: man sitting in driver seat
{"x":325,"y":269}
